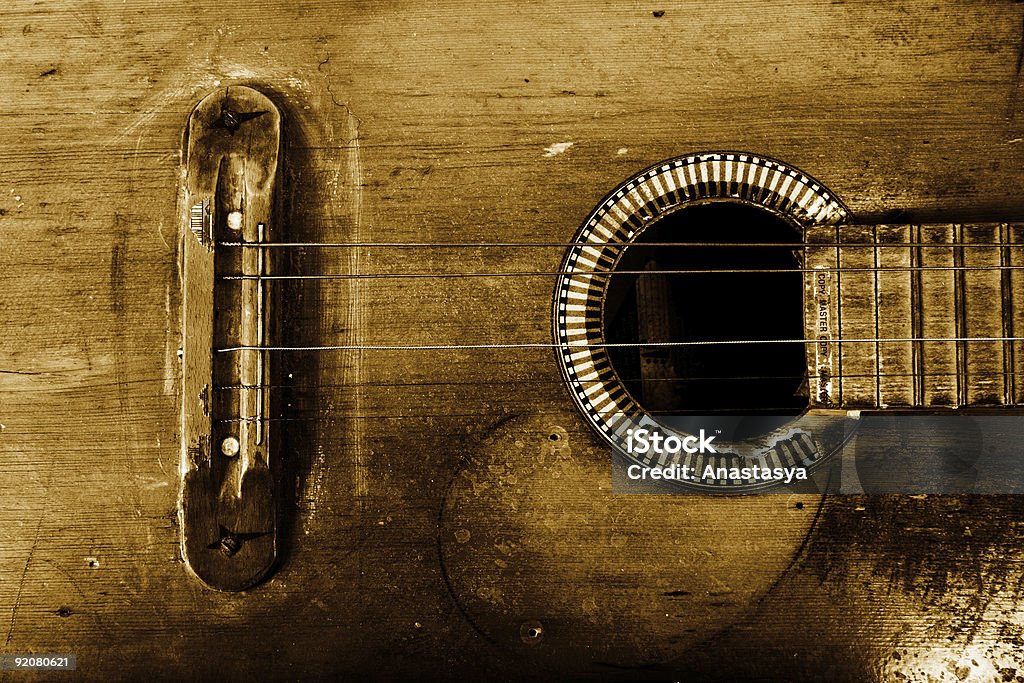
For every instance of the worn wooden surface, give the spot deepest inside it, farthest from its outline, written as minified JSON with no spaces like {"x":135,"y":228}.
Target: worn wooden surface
{"x":451,"y":122}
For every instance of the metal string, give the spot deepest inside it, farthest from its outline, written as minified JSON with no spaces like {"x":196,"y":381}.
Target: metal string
{"x":566,"y":245}
{"x":713,"y":271}
{"x":559,"y":381}
{"x":570,"y":346}
{"x":360,"y":416}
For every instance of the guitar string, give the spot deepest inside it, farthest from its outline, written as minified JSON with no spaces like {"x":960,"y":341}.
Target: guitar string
{"x":559,"y":381}
{"x":566,"y":245}
{"x":571,"y":346}
{"x":776,"y":411}
{"x":574,"y":273}
{"x":711,"y":271}
{"x":431,"y":416}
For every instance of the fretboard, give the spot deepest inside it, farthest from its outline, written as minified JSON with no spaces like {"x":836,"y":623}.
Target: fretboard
{"x":914,"y":315}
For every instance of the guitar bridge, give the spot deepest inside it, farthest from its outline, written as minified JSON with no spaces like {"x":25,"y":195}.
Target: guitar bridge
{"x":228,"y":496}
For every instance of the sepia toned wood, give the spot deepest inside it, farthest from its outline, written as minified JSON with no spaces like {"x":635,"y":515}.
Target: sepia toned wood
{"x":898,"y":376}
{"x":858,"y":312}
{"x":982,"y":311}
{"x":937,"y":315}
{"x":451,"y":123}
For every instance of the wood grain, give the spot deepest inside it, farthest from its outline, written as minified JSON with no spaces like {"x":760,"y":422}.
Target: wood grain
{"x":441,"y":122}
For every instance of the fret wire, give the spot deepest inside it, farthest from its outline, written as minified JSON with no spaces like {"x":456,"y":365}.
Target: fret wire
{"x":567,"y":273}
{"x":839,"y":314}
{"x":917,"y":319}
{"x":959,"y":320}
{"x":878,"y":312}
{"x":610,"y":345}
{"x":1006,"y":298}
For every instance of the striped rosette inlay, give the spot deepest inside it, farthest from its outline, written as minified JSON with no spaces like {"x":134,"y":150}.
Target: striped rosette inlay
{"x":616,"y":223}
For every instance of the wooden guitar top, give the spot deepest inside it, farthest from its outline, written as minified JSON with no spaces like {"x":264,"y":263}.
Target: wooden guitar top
{"x":422,"y":522}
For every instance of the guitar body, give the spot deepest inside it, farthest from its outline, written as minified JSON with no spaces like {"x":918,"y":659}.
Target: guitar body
{"x":448,"y":513}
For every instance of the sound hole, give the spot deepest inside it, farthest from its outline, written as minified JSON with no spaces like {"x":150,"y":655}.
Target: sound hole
{"x":666,"y":306}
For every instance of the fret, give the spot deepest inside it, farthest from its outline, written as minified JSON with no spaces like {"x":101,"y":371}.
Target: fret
{"x":896,"y":312}
{"x":981,"y":315}
{"x":821,"y":315}
{"x":1015,"y":304}
{"x":959,"y":284}
{"x":858,"y":363}
{"x":915,"y":319}
{"x":1006,"y":297}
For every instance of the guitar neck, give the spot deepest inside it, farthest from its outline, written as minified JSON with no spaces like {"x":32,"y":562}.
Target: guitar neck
{"x":914,"y":316}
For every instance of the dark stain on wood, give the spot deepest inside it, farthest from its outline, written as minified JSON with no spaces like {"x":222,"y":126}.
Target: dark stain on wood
{"x":1011,"y":109}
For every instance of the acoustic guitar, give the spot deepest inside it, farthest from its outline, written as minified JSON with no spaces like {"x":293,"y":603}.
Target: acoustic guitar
{"x":326,"y":325}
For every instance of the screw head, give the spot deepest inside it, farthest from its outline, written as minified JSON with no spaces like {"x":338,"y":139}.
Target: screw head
{"x":229,"y":120}
{"x":229,"y":446}
{"x":229,"y":545}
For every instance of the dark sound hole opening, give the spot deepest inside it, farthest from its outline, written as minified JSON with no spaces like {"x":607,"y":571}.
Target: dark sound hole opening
{"x":712,"y":379}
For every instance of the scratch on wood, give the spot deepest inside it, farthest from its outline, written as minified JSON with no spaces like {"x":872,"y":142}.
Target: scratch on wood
{"x":334,"y":98}
{"x":35,"y":544}
{"x":489,"y":431}
{"x":118,"y":292}
{"x":117,"y":264}
{"x":160,"y":103}
{"x":21,"y":583}
{"x":1011,"y":109}
{"x":95,"y":615}
{"x":92,"y":23}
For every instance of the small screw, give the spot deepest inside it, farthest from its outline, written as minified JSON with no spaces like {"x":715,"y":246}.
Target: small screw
{"x":235,"y":221}
{"x":229,"y":446}
{"x":229,"y":120}
{"x":229,"y":545}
